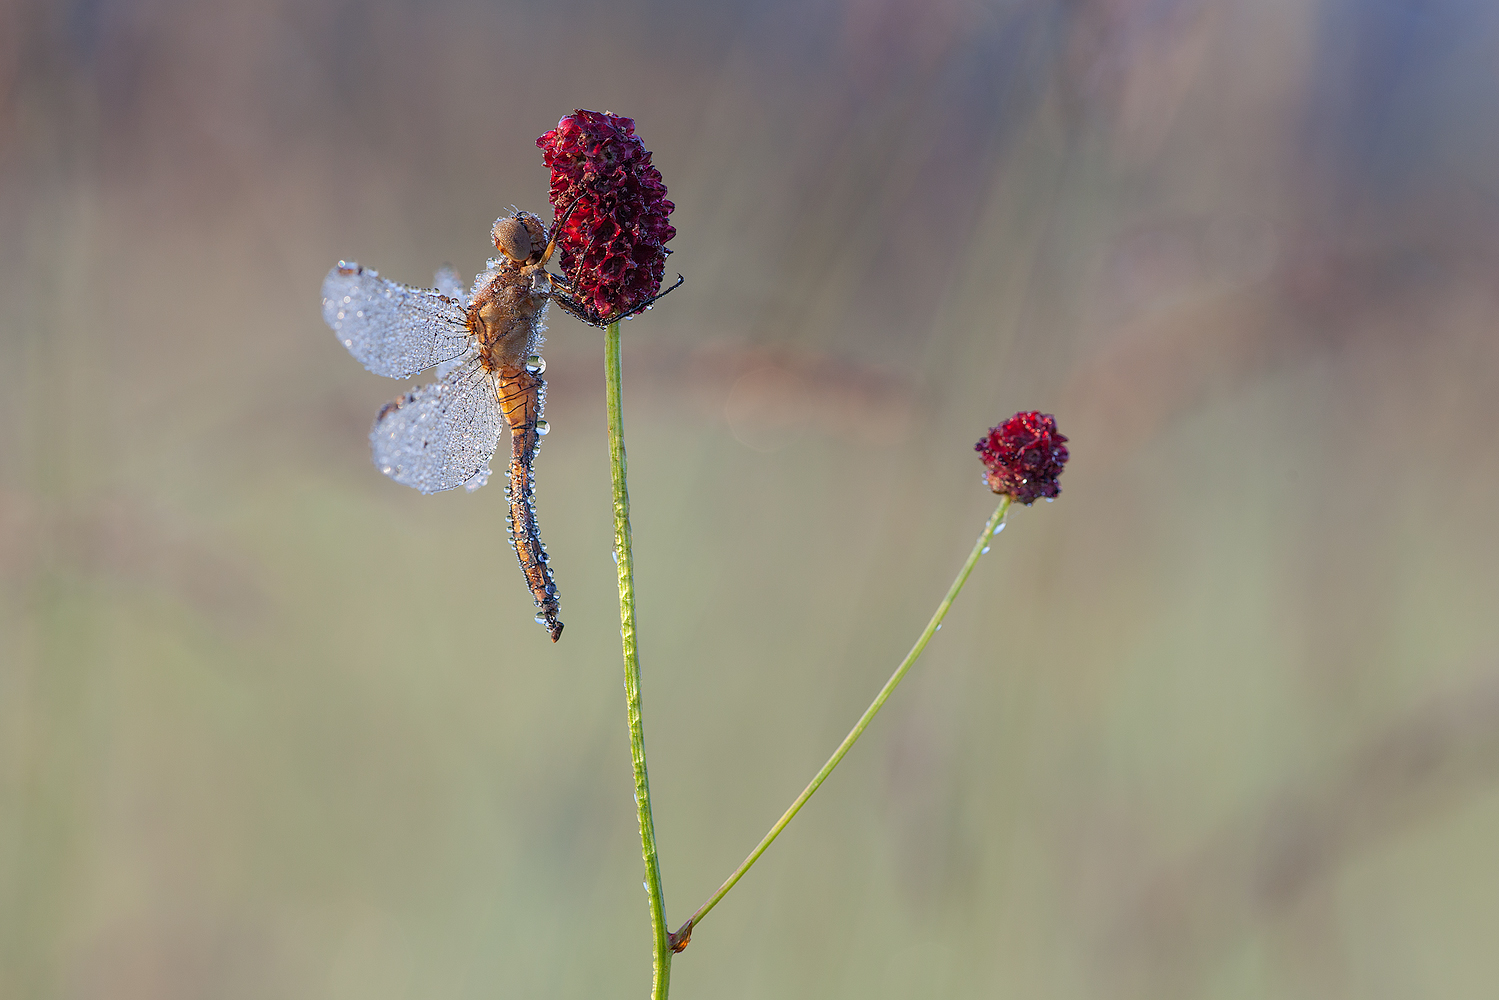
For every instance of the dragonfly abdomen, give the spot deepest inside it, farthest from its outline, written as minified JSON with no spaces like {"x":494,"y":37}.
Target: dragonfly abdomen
{"x":522,"y":397}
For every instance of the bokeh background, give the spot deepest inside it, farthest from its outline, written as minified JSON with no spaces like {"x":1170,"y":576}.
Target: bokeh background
{"x":1221,"y":722}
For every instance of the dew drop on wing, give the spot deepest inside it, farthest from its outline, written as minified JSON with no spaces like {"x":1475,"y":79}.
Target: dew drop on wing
{"x":543,"y":428}
{"x":478,"y":479}
{"x":536,"y":364}
{"x":541,"y":619}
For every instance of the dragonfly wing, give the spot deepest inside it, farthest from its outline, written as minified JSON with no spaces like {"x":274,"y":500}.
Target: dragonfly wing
{"x":449,"y":284}
{"x":443,"y":434}
{"x":393,"y":330}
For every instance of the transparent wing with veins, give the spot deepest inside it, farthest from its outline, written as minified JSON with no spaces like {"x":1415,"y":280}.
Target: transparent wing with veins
{"x":449,"y":284}
{"x":393,"y":329}
{"x":443,"y":434}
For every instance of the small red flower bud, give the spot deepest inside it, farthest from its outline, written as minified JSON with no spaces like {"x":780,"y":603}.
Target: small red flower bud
{"x":1024,"y":456}
{"x":613,"y":242}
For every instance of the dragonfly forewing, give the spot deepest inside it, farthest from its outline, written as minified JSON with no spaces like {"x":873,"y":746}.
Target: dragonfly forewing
{"x":393,"y":329}
{"x":449,"y":284}
{"x":442,"y":435}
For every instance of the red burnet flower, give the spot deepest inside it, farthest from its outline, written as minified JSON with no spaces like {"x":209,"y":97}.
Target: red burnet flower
{"x":1024,"y":456}
{"x":612,"y":241}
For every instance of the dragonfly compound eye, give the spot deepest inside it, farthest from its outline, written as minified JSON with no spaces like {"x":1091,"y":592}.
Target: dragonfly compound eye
{"x":520,"y":237}
{"x":512,"y":237}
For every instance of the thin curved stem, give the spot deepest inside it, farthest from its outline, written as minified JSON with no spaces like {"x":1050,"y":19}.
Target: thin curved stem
{"x":661,"y":947}
{"x":683,"y":934}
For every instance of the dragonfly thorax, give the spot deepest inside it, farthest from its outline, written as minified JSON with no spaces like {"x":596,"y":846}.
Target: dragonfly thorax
{"x":505,"y":316}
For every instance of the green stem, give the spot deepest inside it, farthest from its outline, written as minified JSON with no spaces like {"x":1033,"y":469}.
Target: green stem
{"x":680,"y":938}
{"x":661,"y":947}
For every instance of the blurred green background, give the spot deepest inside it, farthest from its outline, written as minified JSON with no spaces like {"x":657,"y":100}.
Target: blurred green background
{"x":1222,"y":722}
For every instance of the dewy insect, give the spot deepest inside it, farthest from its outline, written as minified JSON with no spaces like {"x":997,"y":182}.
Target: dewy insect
{"x":487,"y":345}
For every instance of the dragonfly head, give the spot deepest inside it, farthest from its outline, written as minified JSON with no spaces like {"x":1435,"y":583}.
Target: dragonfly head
{"x":521,"y":237}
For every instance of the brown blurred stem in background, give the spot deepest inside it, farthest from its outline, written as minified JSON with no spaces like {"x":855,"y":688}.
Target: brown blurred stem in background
{"x":1261,"y":867}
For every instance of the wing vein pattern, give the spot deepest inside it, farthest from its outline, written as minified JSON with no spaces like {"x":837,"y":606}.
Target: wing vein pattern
{"x":443,"y":434}
{"x":393,"y":329}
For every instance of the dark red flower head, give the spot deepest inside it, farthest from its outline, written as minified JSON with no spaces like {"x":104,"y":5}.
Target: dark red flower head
{"x":1024,"y":456}
{"x":613,"y":243}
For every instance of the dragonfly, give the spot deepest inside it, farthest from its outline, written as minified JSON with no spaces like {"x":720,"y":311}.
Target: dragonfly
{"x":485,"y":346}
